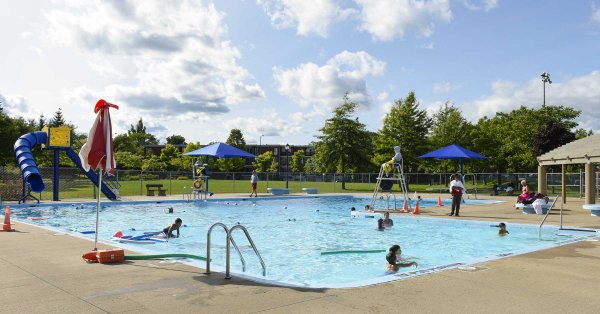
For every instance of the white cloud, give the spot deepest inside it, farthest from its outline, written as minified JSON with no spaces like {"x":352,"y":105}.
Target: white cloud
{"x":477,"y":5}
{"x":176,"y":59}
{"x":595,"y":13}
{"x":17,"y":106}
{"x":310,"y":83}
{"x":270,"y":124}
{"x":388,"y":19}
{"x":308,"y":17}
{"x":581,"y":93}
{"x":445,"y":87}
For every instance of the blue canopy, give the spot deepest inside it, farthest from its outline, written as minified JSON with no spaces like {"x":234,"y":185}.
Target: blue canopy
{"x":454,"y":152}
{"x":220,"y":150}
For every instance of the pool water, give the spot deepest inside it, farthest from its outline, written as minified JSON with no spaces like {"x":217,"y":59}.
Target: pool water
{"x":291,"y":233}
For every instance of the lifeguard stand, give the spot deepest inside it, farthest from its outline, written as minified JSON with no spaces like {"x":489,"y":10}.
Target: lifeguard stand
{"x":395,"y":174}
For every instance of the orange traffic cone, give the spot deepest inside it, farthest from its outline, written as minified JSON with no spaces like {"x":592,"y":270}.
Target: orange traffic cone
{"x":404,"y":207}
{"x":416,"y":211}
{"x":6,"y":226}
{"x":440,"y":201}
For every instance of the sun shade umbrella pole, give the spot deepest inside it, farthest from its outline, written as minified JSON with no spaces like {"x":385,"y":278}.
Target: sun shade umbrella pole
{"x":98,"y":208}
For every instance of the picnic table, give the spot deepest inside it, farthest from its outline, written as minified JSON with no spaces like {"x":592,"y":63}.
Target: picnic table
{"x":151,"y":187}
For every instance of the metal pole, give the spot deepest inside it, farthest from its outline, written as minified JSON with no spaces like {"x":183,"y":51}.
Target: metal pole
{"x":544,"y":93}
{"x":97,"y":209}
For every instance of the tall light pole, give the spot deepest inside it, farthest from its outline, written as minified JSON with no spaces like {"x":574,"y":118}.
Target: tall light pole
{"x":546,"y":79}
{"x":287,"y":161}
{"x":260,"y":140}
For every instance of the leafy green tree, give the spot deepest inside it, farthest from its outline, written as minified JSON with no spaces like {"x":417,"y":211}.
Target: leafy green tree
{"x":41,"y":122}
{"x":297,"y":162}
{"x":57,"y":120}
{"x":581,"y":133}
{"x":407,"y":126}
{"x":169,"y":155}
{"x":10,"y":130}
{"x":188,"y":161}
{"x":235,"y":139}
{"x":448,"y":127}
{"x":509,"y":137}
{"x":154,"y":164}
{"x":309,"y":166}
{"x":274,"y":167}
{"x":345,"y":142}
{"x":551,"y":136}
{"x":138,"y":128}
{"x":127,"y":160}
{"x":176,"y":140}
{"x":263,"y":161}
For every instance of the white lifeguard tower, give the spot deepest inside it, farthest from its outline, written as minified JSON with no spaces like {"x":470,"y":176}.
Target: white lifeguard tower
{"x":392,"y":170}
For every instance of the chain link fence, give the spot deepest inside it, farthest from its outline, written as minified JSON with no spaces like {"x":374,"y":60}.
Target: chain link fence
{"x":74,"y":184}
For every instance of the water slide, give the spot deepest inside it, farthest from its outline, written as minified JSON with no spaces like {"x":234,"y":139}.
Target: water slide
{"x":31,"y":173}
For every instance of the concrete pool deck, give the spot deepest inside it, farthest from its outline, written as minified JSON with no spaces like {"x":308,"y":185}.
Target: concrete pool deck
{"x":41,"y":271}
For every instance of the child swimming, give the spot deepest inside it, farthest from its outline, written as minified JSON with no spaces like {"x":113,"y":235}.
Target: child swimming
{"x":168,"y":230}
{"x":394,"y":260}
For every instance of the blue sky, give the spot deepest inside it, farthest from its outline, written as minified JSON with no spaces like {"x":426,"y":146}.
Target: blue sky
{"x":277,"y":67}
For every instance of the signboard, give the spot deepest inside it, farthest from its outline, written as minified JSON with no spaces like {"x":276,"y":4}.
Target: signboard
{"x":60,"y":137}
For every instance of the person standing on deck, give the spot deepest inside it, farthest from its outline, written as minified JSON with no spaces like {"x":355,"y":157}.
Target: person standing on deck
{"x":456,"y":189}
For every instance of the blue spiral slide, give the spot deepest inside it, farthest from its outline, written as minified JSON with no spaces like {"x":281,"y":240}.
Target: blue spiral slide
{"x":30,"y":171}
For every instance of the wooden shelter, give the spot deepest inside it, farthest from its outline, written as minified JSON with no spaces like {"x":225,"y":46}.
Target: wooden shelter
{"x":584,"y":151}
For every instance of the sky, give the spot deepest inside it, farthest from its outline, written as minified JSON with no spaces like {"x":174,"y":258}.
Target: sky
{"x":275,"y":69}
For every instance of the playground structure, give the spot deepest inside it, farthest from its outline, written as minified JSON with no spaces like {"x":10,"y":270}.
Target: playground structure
{"x":57,"y":140}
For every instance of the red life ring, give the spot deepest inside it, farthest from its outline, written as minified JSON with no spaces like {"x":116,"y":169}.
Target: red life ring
{"x":197,"y":184}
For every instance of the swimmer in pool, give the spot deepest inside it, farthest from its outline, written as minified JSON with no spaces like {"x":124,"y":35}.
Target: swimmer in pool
{"x":387,"y":222}
{"x":394,"y":260}
{"x":380,"y":226}
{"x":502,"y":231}
{"x":168,"y":230}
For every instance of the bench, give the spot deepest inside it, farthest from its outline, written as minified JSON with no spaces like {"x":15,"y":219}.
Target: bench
{"x":528,"y":208}
{"x":311,"y":190}
{"x":594,"y":208}
{"x":278,"y":191}
{"x":150,"y":188}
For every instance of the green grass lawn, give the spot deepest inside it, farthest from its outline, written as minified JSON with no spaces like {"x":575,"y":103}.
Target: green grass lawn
{"x":84,"y":189}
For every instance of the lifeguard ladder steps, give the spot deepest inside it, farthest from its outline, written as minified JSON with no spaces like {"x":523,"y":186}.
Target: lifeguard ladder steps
{"x":397,"y":175}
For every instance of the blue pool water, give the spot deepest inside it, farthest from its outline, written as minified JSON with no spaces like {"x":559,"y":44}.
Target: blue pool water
{"x":291,"y":234}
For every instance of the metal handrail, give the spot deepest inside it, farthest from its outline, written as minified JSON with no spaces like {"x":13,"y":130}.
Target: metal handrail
{"x":474,"y":180}
{"x":264,"y":267}
{"x":227,"y":230}
{"x":546,"y":216}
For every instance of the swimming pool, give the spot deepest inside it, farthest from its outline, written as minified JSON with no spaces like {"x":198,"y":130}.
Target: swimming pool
{"x":291,"y":233}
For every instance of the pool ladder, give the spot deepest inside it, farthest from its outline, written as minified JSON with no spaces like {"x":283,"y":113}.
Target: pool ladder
{"x":228,"y":249}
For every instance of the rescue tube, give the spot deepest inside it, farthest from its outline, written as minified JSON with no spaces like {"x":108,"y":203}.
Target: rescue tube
{"x":352,"y":252}
{"x":159,"y":256}
{"x":90,"y":257}
{"x":197,"y":184}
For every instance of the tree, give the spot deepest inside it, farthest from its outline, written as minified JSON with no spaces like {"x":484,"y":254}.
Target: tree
{"x":551,"y":136}
{"x":153,"y":164}
{"x":176,"y":140}
{"x":138,"y":128}
{"x":188,"y":161}
{"x":297,"y":162}
{"x":170,"y":157}
{"x":57,"y":120}
{"x":127,"y":160}
{"x":407,"y":126}
{"x":345,"y":143}
{"x":448,"y":127}
{"x":263,"y":161}
{"x":235,"y":139}
{"x":509,"y":137}
{"x":41,"y":122}
{"x":309,"y":166}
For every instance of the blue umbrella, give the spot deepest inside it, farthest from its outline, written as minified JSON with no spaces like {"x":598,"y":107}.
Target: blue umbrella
{"x":454,"y":152}
{"x":220,"y":150}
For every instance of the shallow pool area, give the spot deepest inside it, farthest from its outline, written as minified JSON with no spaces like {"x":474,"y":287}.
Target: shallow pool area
{"x":291,"y":234}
